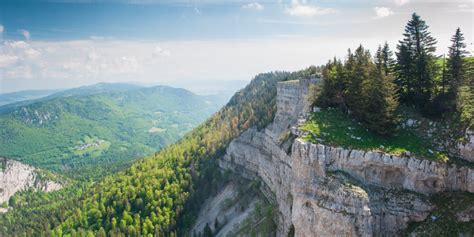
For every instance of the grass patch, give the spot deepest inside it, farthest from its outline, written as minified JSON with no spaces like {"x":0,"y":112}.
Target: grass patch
{"x":332,"y":127}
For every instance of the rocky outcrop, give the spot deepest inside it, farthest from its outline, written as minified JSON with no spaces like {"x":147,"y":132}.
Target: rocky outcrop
{"x":384,"y":170}
{"x":331,"y":191}
{"x":16,"y":176}
{"x":466,"y":148}
{"x":228,"y":209}
{"x":336,"y":206}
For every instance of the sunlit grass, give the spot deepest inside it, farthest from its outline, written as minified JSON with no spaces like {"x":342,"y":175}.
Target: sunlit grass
{"x":330,"y":126}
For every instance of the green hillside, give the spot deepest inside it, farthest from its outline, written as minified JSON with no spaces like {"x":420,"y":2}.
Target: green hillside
{"x":161,"y":194}
{"x":93,"y":132}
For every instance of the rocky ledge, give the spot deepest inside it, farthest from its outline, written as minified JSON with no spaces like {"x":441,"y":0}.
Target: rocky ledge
{"x":331,"y":191}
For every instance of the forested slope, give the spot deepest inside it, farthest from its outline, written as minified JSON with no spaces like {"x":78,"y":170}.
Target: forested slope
{"x":91,"y":131}
{"x":149,"y":197}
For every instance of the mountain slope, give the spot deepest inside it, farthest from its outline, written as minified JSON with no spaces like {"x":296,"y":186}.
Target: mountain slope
{"x":95,"y":131}
{"x":149,"y":197}
{"x":98,"y":88}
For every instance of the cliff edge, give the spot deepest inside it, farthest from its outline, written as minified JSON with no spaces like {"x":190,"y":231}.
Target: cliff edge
{"x":322,"y":190}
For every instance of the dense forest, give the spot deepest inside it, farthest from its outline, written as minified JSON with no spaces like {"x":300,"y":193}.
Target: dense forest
{"x":89,"y":132}
{"x":150,"y":196}
{"x":371,"y":89}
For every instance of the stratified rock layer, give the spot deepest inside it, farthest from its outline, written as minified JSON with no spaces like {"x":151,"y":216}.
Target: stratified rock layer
{"x":331,"y":191}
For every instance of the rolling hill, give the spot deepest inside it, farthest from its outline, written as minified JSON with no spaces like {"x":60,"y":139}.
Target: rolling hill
{"x":97,"y":129}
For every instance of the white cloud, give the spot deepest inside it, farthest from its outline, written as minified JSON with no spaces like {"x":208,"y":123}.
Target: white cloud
{"x":2,"y":29}
{"x":301,"y":9}
{"x":401,"y":2}
{"x":254,"y":6}
{"x":7,"y":60}
{"x":382,"y":12}
{"x":160,"y":52}
{"x":25,"y":34}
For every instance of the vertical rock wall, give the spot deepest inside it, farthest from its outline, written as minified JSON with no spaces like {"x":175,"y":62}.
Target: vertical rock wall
{"x":330,"y":191}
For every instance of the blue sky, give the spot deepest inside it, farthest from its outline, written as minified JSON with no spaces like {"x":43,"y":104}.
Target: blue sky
{"x":185,"y":20}
{"x":65,"y":43}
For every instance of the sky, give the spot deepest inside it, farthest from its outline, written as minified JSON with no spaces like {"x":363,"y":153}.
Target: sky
{"x":52,"y":44}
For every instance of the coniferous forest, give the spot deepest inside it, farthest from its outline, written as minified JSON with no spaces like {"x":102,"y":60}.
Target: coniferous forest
{"x":159,"y":195}
{"x":372,"y":88}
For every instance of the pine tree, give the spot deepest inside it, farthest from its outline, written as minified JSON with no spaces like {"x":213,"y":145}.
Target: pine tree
{"x":380,"y":101}
{"x":361,"y":72}
{"x":379,"y":61}
{"x":333,"y":85}
{"x":388,"y":61}
{"x":404,"y":72}
{"x":455,"y":63}
{"x":417,"y":65}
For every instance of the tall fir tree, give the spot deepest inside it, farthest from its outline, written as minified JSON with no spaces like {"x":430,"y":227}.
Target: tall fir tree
{"x":404,"y":70}
{"x":455,"y":63}
{"x":379,"y":61}
{"x":360,"y":72}
{"x":380,"y":98}
{"x":416,"y":63}
{"x":388,"y":61}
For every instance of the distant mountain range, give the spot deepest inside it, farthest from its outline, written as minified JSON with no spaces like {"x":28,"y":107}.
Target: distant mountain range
{"x":13,"y":97}
{"x":92,"y":130}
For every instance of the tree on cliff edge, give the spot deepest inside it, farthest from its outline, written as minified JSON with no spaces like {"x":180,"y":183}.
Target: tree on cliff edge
{"x":416,"y":69}
{"x":380,"y":98}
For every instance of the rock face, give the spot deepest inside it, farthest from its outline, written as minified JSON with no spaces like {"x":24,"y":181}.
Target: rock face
{"x":330,"y":191}
{"x":422,"y":176}
{"x":16,"y":176}
{"x":466,"y":149}
{"x":224,"y":208}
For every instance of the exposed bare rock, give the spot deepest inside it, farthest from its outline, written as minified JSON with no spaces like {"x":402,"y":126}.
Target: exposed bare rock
{"x":255,"y":156}
{"x":466,"y":148}
{"x":237,"y":208}
{"x":16,"y":176}
{"x":386,"y":170}
{"x":330,"y":191}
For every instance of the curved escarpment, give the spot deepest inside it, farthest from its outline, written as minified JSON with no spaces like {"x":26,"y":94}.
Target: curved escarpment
{"x":331,"y":191}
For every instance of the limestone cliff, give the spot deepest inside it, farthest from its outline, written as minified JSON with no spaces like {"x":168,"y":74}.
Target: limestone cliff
{"x":16,"y":176}
{"x":332,"y":191}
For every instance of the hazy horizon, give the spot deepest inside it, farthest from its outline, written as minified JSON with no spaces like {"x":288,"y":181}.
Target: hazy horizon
{"x":50,"y":44}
